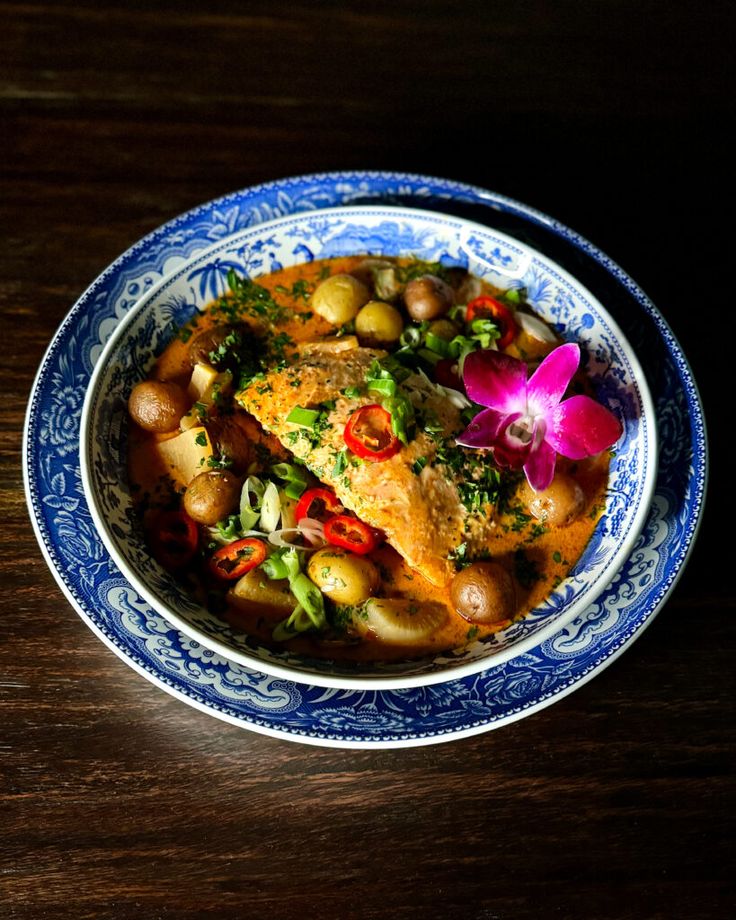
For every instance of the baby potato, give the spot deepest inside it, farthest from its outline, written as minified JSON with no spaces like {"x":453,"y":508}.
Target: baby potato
{"x":256,"y":594}
{"x":559,"y":505}
{"x":157,"y":405}
{"x":378,"y":323}
{"x":338,"y":298}
{"x":211,"y":496}
{"x":344,"y":577}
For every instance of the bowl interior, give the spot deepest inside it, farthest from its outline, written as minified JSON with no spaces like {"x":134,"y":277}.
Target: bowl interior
{"x":193,"y":283}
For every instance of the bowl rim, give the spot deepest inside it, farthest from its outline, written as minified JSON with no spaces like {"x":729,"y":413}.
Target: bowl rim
{"x":453,"y":670}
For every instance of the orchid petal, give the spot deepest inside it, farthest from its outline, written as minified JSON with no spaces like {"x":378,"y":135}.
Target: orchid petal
{"x":485,"y":429}
{"x":540,"y":467}
{"x":548,"y":383}
{"x":495,"y":379}
{"x":580,"y":427}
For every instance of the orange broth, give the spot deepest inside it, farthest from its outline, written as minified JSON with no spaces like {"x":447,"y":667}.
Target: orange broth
{"x":540,"y":557}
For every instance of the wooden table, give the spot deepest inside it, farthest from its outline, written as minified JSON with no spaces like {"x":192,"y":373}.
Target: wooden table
{"x":118,"y":801}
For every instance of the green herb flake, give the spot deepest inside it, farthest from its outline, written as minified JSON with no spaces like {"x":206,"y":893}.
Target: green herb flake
{"x":341,"y":463}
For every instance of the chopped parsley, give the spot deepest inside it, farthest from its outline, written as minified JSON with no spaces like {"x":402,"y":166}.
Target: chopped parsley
{"x":246,"y":298}
{"x":418,"y":267}
{"x":300,"y":290}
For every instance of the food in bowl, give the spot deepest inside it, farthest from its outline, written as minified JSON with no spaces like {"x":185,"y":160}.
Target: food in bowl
{"x":346,"y":457}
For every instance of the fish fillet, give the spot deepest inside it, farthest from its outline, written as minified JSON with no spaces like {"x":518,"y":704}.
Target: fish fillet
{"x":414,"y":502}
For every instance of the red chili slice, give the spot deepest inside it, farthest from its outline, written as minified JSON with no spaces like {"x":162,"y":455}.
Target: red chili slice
{"x":174,"y":539}
{"x":490,"y":308}
{"x":315,"y":503}
{"x":350,"y":533}
{"x":235,"y":559}
{"x":368,"y":434}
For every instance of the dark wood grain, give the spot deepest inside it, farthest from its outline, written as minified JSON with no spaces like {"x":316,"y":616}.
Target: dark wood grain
{"x":118,"y":801}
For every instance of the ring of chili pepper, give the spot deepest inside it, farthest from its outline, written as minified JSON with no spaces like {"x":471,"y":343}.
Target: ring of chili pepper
{"x":488,"y":307}
{"x":329,"y":502}
{"x":236,"y":559}
{"x":369,"y":435}
{"x":173,"y":539}
{"x":350,"y":533}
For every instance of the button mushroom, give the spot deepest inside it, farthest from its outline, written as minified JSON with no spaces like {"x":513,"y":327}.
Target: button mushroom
{"x":484,"y":593}
{"x":204,"y":347}
{"x":211,"y":496}
{"x":428,"y":297}
{"x":157,"y":405}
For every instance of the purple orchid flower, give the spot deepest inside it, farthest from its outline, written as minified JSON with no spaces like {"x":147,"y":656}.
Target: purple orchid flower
{"x":526,"y":423}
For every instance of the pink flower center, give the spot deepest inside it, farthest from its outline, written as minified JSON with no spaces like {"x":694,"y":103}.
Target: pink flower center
{"x":525,"y":433}
{"x":521,"y":431}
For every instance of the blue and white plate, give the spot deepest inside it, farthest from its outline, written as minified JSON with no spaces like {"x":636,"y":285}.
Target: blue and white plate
{"x":349,"y":717}
{"x":609,"y":361}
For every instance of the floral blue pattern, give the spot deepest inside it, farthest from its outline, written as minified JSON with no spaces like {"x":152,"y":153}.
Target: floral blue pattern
{"x":145,"y":640}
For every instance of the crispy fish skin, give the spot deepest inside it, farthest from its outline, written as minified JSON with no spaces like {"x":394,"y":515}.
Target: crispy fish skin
{"x":421,"y":513}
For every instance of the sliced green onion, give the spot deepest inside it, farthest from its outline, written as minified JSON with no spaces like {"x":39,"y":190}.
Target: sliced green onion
{"x":484,"y":326}
{"x":250,"y":510}
{"x":285,"y":471}
{"x":295,"y":489}
{"x":458,"y":312}
{"x":288,"y":508}
{"x":402,"y":416}
{"x":304,"y":417}
{"x":310,"y":598}
{"x":230,"y":528}
{"x":437,"y":344}
{"x":289,"y":472}
{"x":428,"y":355}
{"x":457,"y":345}
{"x":294,"y":477}
{"x":270,"y":509}
{"x":275,"y":567}
{"x":384,"y":387}
{"x":298,"y":622}
{"x":513,"y":295}
{"x":291,"y":560}
{"x":411,"y":337}
{"x":310,"y":609}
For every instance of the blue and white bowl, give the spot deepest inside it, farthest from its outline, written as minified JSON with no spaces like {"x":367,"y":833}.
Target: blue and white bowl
{"x":190,"y":284}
